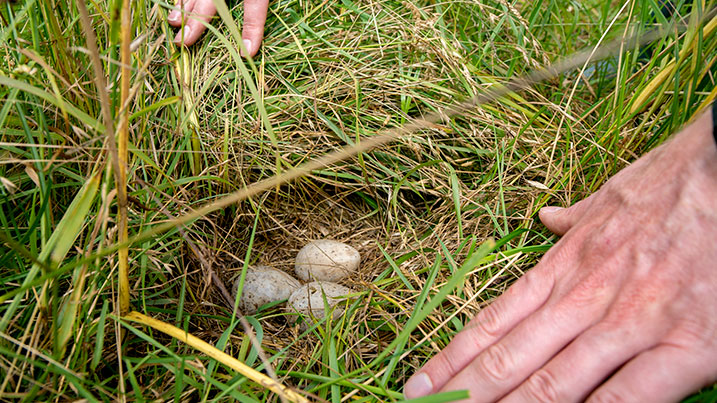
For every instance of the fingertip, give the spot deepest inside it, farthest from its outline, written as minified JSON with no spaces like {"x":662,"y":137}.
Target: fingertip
{"x":418,"y":385}
{"x":550,"y":217}
{"x":251,"y":44}
{"x":183,"y":7}
{"x":183,"y":36}
{"x":174,"y":18}
{"x":548,"y":211}
{"x":248,"y":48}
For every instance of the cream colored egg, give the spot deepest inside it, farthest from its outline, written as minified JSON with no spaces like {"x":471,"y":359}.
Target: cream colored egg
{"x":262,"y":285}
{"x":308,"y":300}
{"x":326,"y":260}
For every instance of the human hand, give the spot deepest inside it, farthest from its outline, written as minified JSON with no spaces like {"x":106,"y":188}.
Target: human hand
{"x":622,"y":308}
{"x":200,"y":12}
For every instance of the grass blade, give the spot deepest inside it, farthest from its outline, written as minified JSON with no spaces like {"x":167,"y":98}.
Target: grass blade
{"x":61,"y":240}
{"x":218,"y":355}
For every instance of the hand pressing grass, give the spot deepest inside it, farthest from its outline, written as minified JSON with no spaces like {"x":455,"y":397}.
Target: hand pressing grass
{"x":617,"y":300}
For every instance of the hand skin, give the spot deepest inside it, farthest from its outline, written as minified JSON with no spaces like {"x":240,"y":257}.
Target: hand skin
{"x":622,"y":308}
{"x":197,"y":13}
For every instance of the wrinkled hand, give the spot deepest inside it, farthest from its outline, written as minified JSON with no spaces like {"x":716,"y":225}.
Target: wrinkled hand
{"x":622,"y":308}
{"x":199,"y":12}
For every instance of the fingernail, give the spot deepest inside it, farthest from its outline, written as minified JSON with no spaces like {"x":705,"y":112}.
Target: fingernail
{"x":173,"y":16}
{"x":247,"y":46}
{"x":419,"y":385}
{"x":550,"y":209}
{"x":182,"y":35}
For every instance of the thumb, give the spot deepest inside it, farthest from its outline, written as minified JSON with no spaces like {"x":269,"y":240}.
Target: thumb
{"x":560,"y":220}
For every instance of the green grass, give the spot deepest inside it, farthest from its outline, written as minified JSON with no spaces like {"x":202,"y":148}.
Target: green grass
{"x":203,"y":125}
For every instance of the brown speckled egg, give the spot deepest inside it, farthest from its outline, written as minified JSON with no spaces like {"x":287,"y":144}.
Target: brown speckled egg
{"x":308,"y":300}
{"x":326,"y":260}
{"x":264,"y":284}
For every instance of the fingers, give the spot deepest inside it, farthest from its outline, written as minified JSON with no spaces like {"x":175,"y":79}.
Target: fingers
{"x":195,"y":24}
{"x":184,"y":7}
{"x":492,"y":323}
{"x":663,"y":374}
{"x":560,"y":220}
{"x":594,"y":355}
{"x":509,"y":361}
{"x":199,"y":12}
{"x":254,"y":20}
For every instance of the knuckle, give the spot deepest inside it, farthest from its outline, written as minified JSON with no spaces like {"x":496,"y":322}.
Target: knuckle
{"x":531,"y":280}
{"x":602,"y":242}
{"x":614,"y":191}
{"x":489,"y":322}
{"x":594,"y":291}
{"x":540,"y":387}
{"x":251,"y":25}
{"x":484,"y":328}
{"x":694,"y":331}
{"x":495,"y":364}
{"x":608,"y":237}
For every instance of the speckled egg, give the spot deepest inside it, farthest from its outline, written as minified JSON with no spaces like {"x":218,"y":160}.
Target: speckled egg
{"x":326,"y":260}
{"x":308,"y":300}
{"x":264,"y":284}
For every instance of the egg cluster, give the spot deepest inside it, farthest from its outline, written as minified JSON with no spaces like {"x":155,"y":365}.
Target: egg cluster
{"x":320,"y":264}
